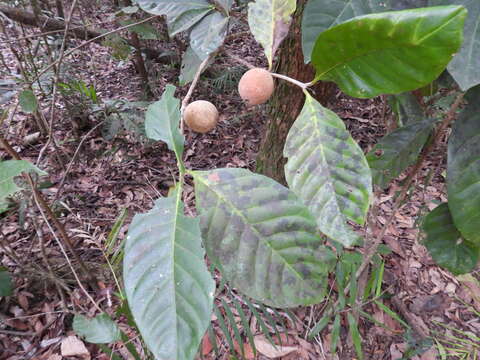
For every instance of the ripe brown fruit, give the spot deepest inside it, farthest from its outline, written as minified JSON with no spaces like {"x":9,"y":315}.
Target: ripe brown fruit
{"x":256,"y":86}
{"x":201,"y":116}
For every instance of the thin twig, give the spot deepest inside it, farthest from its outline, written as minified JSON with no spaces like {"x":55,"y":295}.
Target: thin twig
{"x":291,"y":80}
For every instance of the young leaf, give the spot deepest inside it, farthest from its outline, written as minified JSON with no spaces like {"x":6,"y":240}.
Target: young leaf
{"x":9,"y":169}
{"x":263,"y":236}
{"x":162,"y":120}
{"x":465,"y":66}
{"x":28,"y":101}
{"x":327,"y":169}
{"x":99,"y":330}
{"x":168,"y":286}
{"x":208,"y":35}
{"x":445,"y":243}
{"x":463,"y":169}
{"x":390,"y":52}
{"x":269,"y":22}
{"x":5,"y":282}
{"x":398,"y":150}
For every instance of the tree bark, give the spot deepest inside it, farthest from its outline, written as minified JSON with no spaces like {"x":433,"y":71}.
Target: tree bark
{"x":288,"y":100}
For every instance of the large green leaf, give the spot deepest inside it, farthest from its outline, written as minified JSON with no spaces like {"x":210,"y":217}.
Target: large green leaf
{"x":208,"y":35}
{"x":390,"y":52}
{"x":187,"y":20}
{"x":10,"y":169}
{"x":463,"y":169}
{"x":269,"y":22}
{"x":445,"y":243}
{"x":168,"y":287}
{"x":327,"y":169}
{"x":264,"y":238}
{"x":99,"y":330}
{"x":398,"y":150}
{"x":162,"y":120}
{"x":465,"y":66}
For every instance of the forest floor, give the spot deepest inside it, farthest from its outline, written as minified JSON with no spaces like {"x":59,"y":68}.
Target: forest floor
{"x":124,"y":172}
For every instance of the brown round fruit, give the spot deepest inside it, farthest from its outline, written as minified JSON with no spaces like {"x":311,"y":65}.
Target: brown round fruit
{"x":256,"y":86}
{"x":201,"y":116}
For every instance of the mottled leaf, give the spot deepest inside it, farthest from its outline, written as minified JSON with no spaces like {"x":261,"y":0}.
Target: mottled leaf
{"x":162,"y":121}
{"x":463,"y":169}
{"x":390,"y":52}
{"x":98,"y":330}
{"x":398,"y":150}
{"x":10,"y":169}
{"x":446,"y":245}
{"x":269,"y":22}
{"x":208,"y":35}
{"x":167,"y":284}
{"x":465,"y":66}
{"x":28,"y":101}
{"x":327,"y":169}
{"x":263,"y":236}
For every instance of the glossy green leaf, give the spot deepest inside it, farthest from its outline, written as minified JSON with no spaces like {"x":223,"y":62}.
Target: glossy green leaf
{"x":28,"y":101}
{"x":463,"y":169}
{"x":162,"y":121}
{"x":187,"y":20}
{"x":465,"y":66}
{"x":10,"y":169}
{"x":264,"y":238}
{"x":269,"y":22}
{"x":208,"y":35}
{"x":167,"y":283}
{"x":327,"y":169}
{"x":99,"y":330}
{"x":398,"y":150}
{"x":5,"y":282}
{"x":390,"y":52}
{"x":406,"y":108}
{"x":445,"y":243}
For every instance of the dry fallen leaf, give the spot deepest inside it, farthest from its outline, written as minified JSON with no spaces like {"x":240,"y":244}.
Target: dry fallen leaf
{"x":73,"y":346}
{"x":265,"y":348}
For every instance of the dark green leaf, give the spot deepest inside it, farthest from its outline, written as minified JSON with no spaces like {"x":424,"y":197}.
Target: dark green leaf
{"x":263,"y":236}
{"x":187,"y":20}
{"x":355,"y":335}
{"x":168,"y":286}
{"x":390,"y":52}
{"x":327,"y":169}
{"x":445,"y":243}
{"x":162,"y":121}
{"x":398,"y":150}
{"x":28,"y":101}
{"x":10,"y":169}
{"x":99,"y":330}
{"x":406,"y":108}
{"x":5,"y":282}
{"x":465,"y":66}
{"x":208,"y":35}
{"x":463,"y":169}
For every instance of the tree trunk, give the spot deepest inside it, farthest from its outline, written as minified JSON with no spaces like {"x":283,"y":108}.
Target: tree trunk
{"x":287,"y":100}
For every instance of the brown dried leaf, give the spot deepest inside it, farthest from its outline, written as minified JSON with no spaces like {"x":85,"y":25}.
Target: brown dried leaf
{"x":73,"y":346}
{"x":267,"y":349}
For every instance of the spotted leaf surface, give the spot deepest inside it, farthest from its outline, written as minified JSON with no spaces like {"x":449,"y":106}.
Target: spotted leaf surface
{"x":389,"y":52}
{"x":264,"y":238}
{"x":269,"y":22}
{"x":168,"y":287}
{"x":445,"y":243}
{"x":328,"y":171}
{"x":463,"y":169}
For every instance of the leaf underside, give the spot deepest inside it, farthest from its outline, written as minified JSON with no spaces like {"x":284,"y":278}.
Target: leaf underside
{"x":263,"y":237}
{"x":327,"y":169}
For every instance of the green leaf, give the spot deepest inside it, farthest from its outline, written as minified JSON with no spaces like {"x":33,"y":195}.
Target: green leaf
{"x":406,"y":108}
{"x":8,"y":171}
{"x":355,"y":335}
{"x":99,"y":330}
{"x":145,"y":31}
{"x":463,"y":169}
{"x":190,"y":64}
{"x":187,"y":20}
{"x":28,"y":101}
{"x":5,"y":282}
{"x":225,"y":4}
{"x":162,"y":121}
{"x":465,"y":66}
{"x":397,"y":151}
{"x":208,"y":35}
{"x":390,"y":52}
{"x":320,"y":15}
{"x":445,"y":244}
{"x":168,"y":286}
{"x":264,"y":238}
{"x":269,"y":22}
{"x":327,"y":169}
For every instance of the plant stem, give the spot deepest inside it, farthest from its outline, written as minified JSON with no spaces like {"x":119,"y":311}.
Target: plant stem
{"x":300,"y":84}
